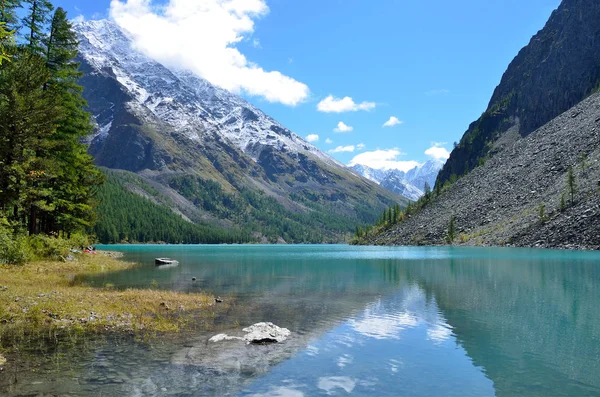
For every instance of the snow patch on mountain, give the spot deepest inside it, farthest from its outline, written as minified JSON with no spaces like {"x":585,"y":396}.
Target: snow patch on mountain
{"x":185,"y":101}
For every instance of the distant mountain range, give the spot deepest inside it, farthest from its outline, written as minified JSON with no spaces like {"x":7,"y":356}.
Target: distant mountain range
{"x":208,"y":155}
{"x":409,"y":184}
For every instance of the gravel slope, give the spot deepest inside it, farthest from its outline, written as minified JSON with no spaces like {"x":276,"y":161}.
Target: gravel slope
{"x":498,"y":203}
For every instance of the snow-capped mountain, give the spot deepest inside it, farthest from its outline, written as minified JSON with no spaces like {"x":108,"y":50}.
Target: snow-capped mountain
{"x":180,"y":98}
{"x":409,"y":184}
{"x":166,"y":124}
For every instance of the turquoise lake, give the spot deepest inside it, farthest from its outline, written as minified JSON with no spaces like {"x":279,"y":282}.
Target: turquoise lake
{"x":365,"y":321}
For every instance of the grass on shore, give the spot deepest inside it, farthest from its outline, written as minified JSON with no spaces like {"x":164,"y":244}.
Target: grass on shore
{"x":43,"y":301}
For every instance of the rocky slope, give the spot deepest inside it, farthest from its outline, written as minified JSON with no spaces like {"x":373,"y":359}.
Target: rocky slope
{"x":182,"y":135}
{"x":410,"y":184}
{"x":559,"y":68}
{"x":499,"y":202}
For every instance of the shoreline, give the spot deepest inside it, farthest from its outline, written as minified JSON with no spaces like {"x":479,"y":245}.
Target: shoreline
{"x":45,"y":301}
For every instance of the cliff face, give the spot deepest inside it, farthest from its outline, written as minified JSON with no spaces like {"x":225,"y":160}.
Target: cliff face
{"x":555,"y":71}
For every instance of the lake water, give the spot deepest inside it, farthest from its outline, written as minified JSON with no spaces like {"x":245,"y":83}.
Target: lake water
{"x":365,"y":321}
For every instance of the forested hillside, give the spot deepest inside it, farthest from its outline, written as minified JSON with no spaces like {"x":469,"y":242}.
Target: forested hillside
{"x":129,"y":217}
{"x":212,"y":215}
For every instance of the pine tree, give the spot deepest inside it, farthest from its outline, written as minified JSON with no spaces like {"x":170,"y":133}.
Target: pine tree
{"x":542,"y":213}
{"x":36,"y":21}
{"x":8,"y":26}
{"x":451,"y":230}
{"x":29,"y":117}
{"x":8,"y":14}
{"x":438,"y":190}
{"x":427,"y":192}
{"x":571,"y":184}
{"x":76,"y":177}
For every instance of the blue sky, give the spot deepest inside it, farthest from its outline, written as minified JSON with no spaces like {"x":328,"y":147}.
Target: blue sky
{"x":432,"y":64}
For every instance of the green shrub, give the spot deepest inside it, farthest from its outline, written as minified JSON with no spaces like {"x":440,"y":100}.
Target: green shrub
{"x":14,"y":249}
{"x":47,"y":247}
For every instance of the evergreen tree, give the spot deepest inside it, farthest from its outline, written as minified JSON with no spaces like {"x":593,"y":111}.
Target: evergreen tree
{"x":29,"y":116}
{"x":7,"y":26}
{"x":542,"y":213}
{"x":48,"y":180}
{"x":438,"y":190}
{"x":8,"y":14}
{"x":451,"y":230}
{"x":36,"y":22}
{"x":427,"y":192}
{"x":76,"y":177}
{"x":571,"y":184}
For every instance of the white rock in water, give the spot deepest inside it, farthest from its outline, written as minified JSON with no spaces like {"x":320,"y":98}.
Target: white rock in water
{"x":222,"y":337}
{"x":265,"y":333}
{"x":257,"y":333}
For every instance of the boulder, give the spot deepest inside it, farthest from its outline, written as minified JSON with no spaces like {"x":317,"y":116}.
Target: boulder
{"x":260,"y":333}
{"x":265,"y":333}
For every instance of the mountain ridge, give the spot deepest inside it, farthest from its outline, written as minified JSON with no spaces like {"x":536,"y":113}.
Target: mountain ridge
{"x":557,"y":69}
{"x":182,"y":134}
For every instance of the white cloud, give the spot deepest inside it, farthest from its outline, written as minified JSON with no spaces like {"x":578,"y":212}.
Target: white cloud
{"x":328,"y":141}
{"x":341,"y":127}
{"x":393,"y":121}
{"x":360,"y":146}
{"x":437,"y":152}
{"x":256,"y":44}
{"x":78,"y":19}
{"x":202,"y":36}
{"x":346,"y":104}
{"x":312,"y":138}
{"x":343,"y":149}
{"x":384,"y":159}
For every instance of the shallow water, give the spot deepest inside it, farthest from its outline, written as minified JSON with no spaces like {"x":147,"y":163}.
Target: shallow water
{"x":364,"y":321}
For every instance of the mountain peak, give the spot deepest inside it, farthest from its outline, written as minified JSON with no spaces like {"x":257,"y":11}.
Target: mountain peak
{"x":183,"y":99}
{"x":410,"y":184}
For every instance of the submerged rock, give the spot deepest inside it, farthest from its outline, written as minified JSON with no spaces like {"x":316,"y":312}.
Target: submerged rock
{"x":260,"y":333}
{"x":222,"y":337}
